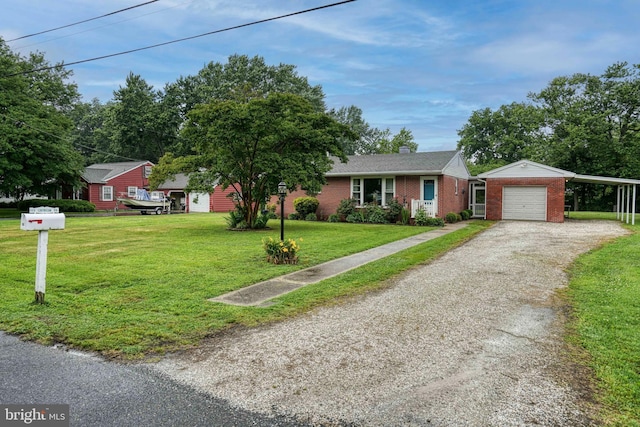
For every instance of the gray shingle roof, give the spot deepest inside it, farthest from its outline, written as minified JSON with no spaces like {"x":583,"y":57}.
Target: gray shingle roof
{"x":103,"y":172}
{"x":179,"y":183}
{"x":394,"y":164}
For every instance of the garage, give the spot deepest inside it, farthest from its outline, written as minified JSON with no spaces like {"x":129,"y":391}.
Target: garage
{"x":527,"y":190}
{"x":199,"y":202}
{"x":524,"y":203}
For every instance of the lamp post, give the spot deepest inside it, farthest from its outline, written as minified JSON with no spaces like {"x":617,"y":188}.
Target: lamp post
{"x":282,"y":192}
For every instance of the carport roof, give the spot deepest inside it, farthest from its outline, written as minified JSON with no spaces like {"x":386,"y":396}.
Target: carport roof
{"x":590,"y":179}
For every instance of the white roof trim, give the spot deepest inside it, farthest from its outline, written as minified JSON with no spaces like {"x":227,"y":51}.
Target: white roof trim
{"x":524,"y":164}
{"x":604,"y":180}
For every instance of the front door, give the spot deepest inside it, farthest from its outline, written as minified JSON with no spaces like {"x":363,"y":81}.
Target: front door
{"x":429,"y":189}
{"x":430,"y":195}
{"x":478,"y":195}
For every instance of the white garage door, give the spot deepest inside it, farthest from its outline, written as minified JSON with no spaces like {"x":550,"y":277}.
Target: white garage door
{"x":198,"y":202}
{"x":528,"y":203}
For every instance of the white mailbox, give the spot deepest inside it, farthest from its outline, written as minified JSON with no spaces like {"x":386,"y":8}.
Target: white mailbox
{"x":45,"y":221}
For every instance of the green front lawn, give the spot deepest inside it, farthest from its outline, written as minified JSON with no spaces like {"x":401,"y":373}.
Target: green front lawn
{"x":131,"y":286}
{"x":605,"y":293}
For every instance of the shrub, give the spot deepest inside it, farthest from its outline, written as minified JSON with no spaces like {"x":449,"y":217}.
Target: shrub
{"x":294,"y":216}
{"x":464,"y":215}
{"x":334,"y":218}
{"x":355,"y":217}
{"x":235,"y":220}
{"x":305,"y":205}
{"x":311,"y":217}
{"x":435,"y":222}
{"x":376,"y":215}
{"x":346,"y":207}
{"x":394,"y":209}
{"x":281,"y":252}
{"x":64,"y":205}
{"x":469,"y":212}
{"x":458,"y":217}
{"x":270,"y":211}
{"x":451,"y":217}
{"x":261,"y":221}
{"x":421,"y":218}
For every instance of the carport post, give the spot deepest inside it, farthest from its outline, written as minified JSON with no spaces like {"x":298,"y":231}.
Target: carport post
{"x":628,"y":200}
{"x":618,"y":201}
{"x":633,"y":210}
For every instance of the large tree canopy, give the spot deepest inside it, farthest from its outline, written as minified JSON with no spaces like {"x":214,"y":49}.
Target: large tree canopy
{"x":583,"y":123}
{"x":371,"y":140}
{"x":503,"y":136}
{"x":252,"y":146}
{"x":138,"y":127}
{"x":36,"y":155}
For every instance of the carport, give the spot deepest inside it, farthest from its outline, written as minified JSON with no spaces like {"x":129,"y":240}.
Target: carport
{"x":625,"y":196}
{"x":527,"y":190}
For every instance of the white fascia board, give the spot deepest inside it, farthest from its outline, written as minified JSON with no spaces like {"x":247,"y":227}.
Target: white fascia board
{"x":528,"y":169}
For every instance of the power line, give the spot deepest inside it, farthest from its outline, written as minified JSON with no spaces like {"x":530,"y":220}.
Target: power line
{"x":235,"y":27}
{"x":102,"y":26}
{"x":82,"y":22}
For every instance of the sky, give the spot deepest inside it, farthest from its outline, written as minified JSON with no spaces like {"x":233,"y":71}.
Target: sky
{"x":425,"y":65}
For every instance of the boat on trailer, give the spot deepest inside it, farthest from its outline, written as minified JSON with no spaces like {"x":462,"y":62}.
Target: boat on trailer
{"x":146,"y":204}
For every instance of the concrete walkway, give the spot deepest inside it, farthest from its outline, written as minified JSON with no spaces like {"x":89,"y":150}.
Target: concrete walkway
{"x":258,"y":295}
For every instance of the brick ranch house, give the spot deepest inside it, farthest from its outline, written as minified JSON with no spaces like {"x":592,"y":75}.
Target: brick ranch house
{"x":434,"y":181}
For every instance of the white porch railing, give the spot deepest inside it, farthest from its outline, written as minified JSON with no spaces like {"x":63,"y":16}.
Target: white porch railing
{"x":426,"y":205}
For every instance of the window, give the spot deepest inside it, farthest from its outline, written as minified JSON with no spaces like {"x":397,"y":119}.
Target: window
{"x":456,"y":185}
{"x":132,"y":191}
{"x":379,"y":191}
{"x":107,"y":193}
{"x":355,"y":192}
{"x":147,"y":171}
{"x":373,"y":191}
{"x":388,"y":192}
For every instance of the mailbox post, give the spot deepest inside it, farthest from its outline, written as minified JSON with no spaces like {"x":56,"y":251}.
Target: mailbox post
{"x":42,"y":219}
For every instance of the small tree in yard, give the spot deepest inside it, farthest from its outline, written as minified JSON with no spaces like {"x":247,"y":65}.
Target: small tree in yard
{"x":253,"y":145}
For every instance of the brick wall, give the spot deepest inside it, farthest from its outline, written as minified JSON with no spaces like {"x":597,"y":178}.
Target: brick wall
{"x":407,"y":189}
{"x":555,"y":195}
{"x":448,"y":199}
{"x":335,"y":190}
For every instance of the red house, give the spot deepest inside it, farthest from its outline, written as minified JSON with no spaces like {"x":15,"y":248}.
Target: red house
{"x":106,"y":182}
{"x":217,"y":201}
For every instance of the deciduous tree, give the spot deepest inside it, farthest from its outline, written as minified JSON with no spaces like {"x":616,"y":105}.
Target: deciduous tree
{"x":253,"y":145}
{"x":36,"y":155}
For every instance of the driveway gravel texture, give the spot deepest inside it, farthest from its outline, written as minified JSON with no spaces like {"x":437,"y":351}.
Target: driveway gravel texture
{"x":474,"y":338}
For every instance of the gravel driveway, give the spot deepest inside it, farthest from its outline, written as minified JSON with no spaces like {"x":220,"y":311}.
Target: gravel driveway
{"x":474,"y":338}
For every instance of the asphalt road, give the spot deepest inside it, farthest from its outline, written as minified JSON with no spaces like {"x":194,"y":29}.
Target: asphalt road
{"x":101,"y":393}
